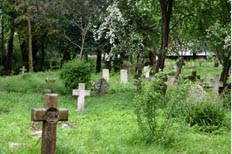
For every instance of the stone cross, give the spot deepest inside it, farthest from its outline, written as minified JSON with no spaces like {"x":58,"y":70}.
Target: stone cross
{"x":23,"y":69}
{"x":146,"y":71}
{"x":81,"y":93}
{"x":216,"y":84}
{"x":106,"y":74}
{"x":123,"y":76}
{"x":49,"y":115}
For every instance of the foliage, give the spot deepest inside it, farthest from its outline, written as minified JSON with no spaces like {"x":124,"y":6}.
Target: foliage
{"x":148,"y":112}
{"x":75,"y":72}
{"x":195,"y":109}
{"x":177,"y":97}
{"x":208,"y":115}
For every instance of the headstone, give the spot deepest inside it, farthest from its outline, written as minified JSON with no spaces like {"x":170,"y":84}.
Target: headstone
{"x":81,"y":93}
{"x":23,"y":69}
{"x":146,"y":71}
{"x":49,"y":115}
{"x":101,"y":86}
{"x":123,"y":76}
{"x":216,"y":84}
{"x":197,"y":94}
{"x":106,"y":74}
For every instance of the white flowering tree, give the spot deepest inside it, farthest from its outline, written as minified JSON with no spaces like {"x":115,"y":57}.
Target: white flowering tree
{"x":118,"y":31}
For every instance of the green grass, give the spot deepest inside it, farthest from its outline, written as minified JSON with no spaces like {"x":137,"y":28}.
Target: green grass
{"x":107,"y":126}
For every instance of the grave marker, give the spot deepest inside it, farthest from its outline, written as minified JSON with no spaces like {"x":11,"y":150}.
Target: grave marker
{"x":106,"y":74}
{"x":146,"y":71}
{"x":101,"y":86}
{"x":123,"y":76}
{"x":216,"y":84}
{"x":49,"y":115}
{"x":81,"y":93}
{"x":23,"y":69}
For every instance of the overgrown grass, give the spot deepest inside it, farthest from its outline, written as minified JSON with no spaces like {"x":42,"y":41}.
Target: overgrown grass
{"x":108,"y":124}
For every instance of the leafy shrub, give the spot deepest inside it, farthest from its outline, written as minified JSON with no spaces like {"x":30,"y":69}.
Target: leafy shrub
{"x":208,"y":115}
{"x":225,"y":99}
{"x":148,"y":110}
{"x":177,"y":97}
{"x":195,"y":109}
{"x":75,"y":72}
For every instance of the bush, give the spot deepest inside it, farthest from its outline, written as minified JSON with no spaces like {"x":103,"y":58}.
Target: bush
{"x":75,"y":72}
{"x":208,"y":115}
{"x":148,"y":110}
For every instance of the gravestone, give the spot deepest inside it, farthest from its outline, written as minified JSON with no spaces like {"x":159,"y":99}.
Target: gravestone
{"x":146,"y":71}
{"x":123,"y":76}
{"x":106,"y":74}
{"x":216,"y":84}
{"x":81,"y":93}
{"x":101,"y":86}
{"x":49,"y":115}
{"x":23,"y":69}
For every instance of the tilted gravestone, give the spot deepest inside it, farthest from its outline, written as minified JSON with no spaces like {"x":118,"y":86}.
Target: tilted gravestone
{"x":123,"y":76}
{"x":106,"y":74}
{"x":101,"y":86}
{"x":49,"y":115}
{"x":81,"y":93}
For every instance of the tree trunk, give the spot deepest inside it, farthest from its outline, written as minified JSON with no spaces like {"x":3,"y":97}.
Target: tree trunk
{"x":166,"y":9}
{"x":30,"y":57}
{"x":152,"y":57}
{"x":8,"y":62}
{"x":98,"y":62}
{"x":225,"y":72}
{"x":2,"y":34}
{"x":43,"y":54}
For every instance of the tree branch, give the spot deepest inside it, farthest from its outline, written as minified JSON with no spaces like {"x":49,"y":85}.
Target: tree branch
{"x":180,"y":21}
{"x":69,"y":39}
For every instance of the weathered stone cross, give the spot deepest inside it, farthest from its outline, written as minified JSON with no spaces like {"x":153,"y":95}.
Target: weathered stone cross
{"x":50,"y":115}
{"x":81,"y":92}
{"x":216,"y":84}
{"x":23,"y":69}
